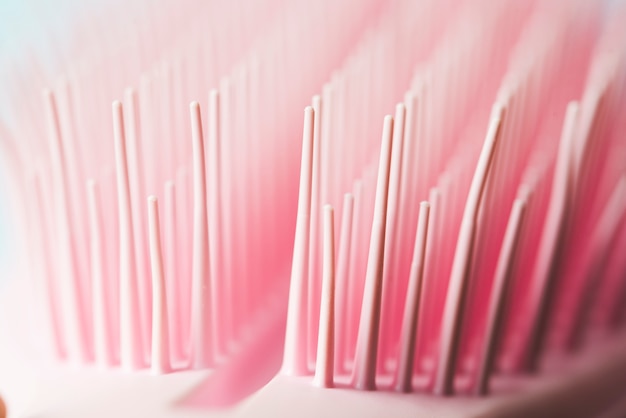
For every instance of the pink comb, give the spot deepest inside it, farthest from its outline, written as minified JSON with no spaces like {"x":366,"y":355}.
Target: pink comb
{"x":479,"y":241}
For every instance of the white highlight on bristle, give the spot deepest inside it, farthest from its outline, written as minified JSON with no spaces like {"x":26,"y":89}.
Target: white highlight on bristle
{"x":160,"y":335}
{"x":314,"y":235}
{"x":343,"y":274}
{"x":495,"y":314}
{"x":324,"y":366}
{"x":215,"y":227}
{"x":390,"y":273}
{"x":131,"y":344}
{"x":404,"y":373}
{"x":200,"y":346}
{"x":102,"y":333}
{"x":295,"y":357}
{"x":457,"y":287}
{"x":367,"y":342}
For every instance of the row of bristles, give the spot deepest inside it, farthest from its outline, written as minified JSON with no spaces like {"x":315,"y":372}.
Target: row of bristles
{"x":523,"y":277}
{"x":421,"y":287}
{"x":83,"y":242}
{"x":250,"y":196}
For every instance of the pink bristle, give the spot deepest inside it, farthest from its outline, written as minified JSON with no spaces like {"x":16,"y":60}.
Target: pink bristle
{"x":369,"y":326}
{"x":521,"y":262}
{"x":218,"y":312}
{"x":313,"y":287}
{"x":390,"y":286}
{"x":200,"y":351}
{"x":47,"y":266}
{"x":516,"y":162}
{"x":295,"y":357}
{"x":502,"y":275}
{"x":225,"y":95}
{"x":160,"y":360}
{"x":404,"y":376}
{"x":136,"y":178}
{"x":325,"y":360}
{"x":353,"y":307}
{"x":343,"y":287}
{"x":604,"y":314}
{"x":601,"y":241}
{"x":132,"y":340}
{"x":69,"y":280}
{"x":172,"y":262}
{"x":461,"y":267}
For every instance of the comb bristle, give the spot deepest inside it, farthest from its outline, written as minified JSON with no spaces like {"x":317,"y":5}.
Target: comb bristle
{"x":480,"y":241}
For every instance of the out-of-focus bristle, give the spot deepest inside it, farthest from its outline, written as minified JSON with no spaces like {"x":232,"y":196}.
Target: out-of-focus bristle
{"x":132,"y":338}
{"x":484,"y":234}
{"x":480,"y":312}
{"x":160,"y":360}
{"x":404,"y":374}
{"x":201,"y":354}
{"x":502,"y":275}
